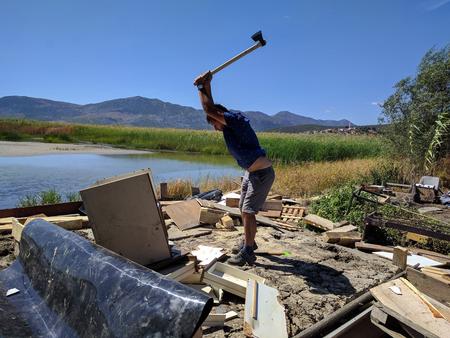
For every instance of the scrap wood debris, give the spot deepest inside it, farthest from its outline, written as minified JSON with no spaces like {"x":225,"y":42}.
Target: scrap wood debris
{"x":297,"y":266}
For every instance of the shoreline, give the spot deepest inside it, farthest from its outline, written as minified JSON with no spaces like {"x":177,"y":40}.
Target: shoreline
{"x":13,"y":149}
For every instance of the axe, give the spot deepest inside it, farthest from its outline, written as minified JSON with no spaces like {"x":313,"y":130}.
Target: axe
{"x":260,"y":42}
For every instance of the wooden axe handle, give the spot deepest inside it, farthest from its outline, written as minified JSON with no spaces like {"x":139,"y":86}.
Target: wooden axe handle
{"x":237,"y":57}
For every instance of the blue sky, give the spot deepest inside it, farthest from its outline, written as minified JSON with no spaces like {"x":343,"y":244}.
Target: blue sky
{"x":325,"y":59}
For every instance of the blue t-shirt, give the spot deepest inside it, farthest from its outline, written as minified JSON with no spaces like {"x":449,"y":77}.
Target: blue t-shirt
{"x":241,"y":139}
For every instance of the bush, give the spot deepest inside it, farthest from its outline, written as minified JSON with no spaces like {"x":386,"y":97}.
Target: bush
{"x":46,"y":197}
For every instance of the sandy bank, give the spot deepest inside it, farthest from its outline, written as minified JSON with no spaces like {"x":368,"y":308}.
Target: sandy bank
{"x":37,"y":148}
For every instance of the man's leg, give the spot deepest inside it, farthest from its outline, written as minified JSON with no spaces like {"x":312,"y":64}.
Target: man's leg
{"x":249,"y":221}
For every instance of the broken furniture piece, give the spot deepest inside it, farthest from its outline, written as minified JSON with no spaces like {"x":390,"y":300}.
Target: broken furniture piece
{"x":125,"y":217}
{"x":70,"y":287}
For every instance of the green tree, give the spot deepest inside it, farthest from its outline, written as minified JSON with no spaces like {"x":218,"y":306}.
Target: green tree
{"x":417,"y":115}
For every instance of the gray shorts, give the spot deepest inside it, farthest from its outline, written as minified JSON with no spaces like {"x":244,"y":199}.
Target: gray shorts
{"x":255,"y":188}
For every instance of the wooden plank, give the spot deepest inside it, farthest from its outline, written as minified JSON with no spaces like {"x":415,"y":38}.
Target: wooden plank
{"x":342,"y":229}
{"x":439,"y":271}
{"x":443,"y":279}
{"x":66,"y":222}
{"x":49,"y":210}
{"x":409,"y":309}
{"x":186,"y":215}
{"x":319,"y":222}
{"x":176,"y":234}
{"x":125,"y":217}
{"x":229,"y":278}
{"x":267,"y":318}
{"x":363,"y":246}
{"x":429,"y":285}
{"x":400,"y":257}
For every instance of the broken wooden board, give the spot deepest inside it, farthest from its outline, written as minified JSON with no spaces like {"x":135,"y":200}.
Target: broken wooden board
{"x":264,"y":316}
{"x":229,"y":278}
{"x":210,"y":215}
{"x":409,"y":309}
{"x":271,"y":208}
{"x":186,"y":215}
{"x":126,"y":219}
{"x":429,"y":285}
{"x":319,"y":222}
{"x":176,"y":234}
{"x":412,"y":260}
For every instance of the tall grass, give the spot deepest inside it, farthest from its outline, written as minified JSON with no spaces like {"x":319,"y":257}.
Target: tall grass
{"x":283,"y":148}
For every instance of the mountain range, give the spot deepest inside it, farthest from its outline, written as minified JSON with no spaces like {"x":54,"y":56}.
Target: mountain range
{"x":141,"y":111}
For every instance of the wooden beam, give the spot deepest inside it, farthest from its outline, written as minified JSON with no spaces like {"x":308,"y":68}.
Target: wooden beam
{"x":49,"y":210}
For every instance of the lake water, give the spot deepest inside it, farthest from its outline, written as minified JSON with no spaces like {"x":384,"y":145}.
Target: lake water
{"x":68,"y":173}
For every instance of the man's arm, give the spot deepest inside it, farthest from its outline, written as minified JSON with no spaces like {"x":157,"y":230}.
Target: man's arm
{"x":203,"y":82}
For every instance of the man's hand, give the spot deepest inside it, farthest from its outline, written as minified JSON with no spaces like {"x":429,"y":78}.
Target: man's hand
{"x":203,"y":79}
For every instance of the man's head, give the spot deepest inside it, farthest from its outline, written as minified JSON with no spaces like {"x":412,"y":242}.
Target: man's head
{"x":216,"y":124}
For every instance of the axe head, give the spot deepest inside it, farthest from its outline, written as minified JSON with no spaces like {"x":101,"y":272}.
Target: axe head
{"x":257,"y":37}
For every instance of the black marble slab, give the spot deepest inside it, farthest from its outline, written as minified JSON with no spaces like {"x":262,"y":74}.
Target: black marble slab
{"x":70,"y":287}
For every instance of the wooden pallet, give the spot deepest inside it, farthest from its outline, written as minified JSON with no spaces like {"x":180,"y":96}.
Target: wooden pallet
{"x":291,"y":214}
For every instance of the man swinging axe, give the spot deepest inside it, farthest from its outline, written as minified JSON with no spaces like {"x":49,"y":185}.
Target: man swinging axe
{"x":243,"y":145}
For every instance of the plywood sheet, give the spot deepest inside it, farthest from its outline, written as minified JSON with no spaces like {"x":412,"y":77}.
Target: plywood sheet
{"x":125,"y":217}
{"x":268,"y":319}
{"x":186,"y":215}
{"x":410,"y":309}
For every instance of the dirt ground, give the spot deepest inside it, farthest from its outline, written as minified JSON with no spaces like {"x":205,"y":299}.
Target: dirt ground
{"x":314,"y":280}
